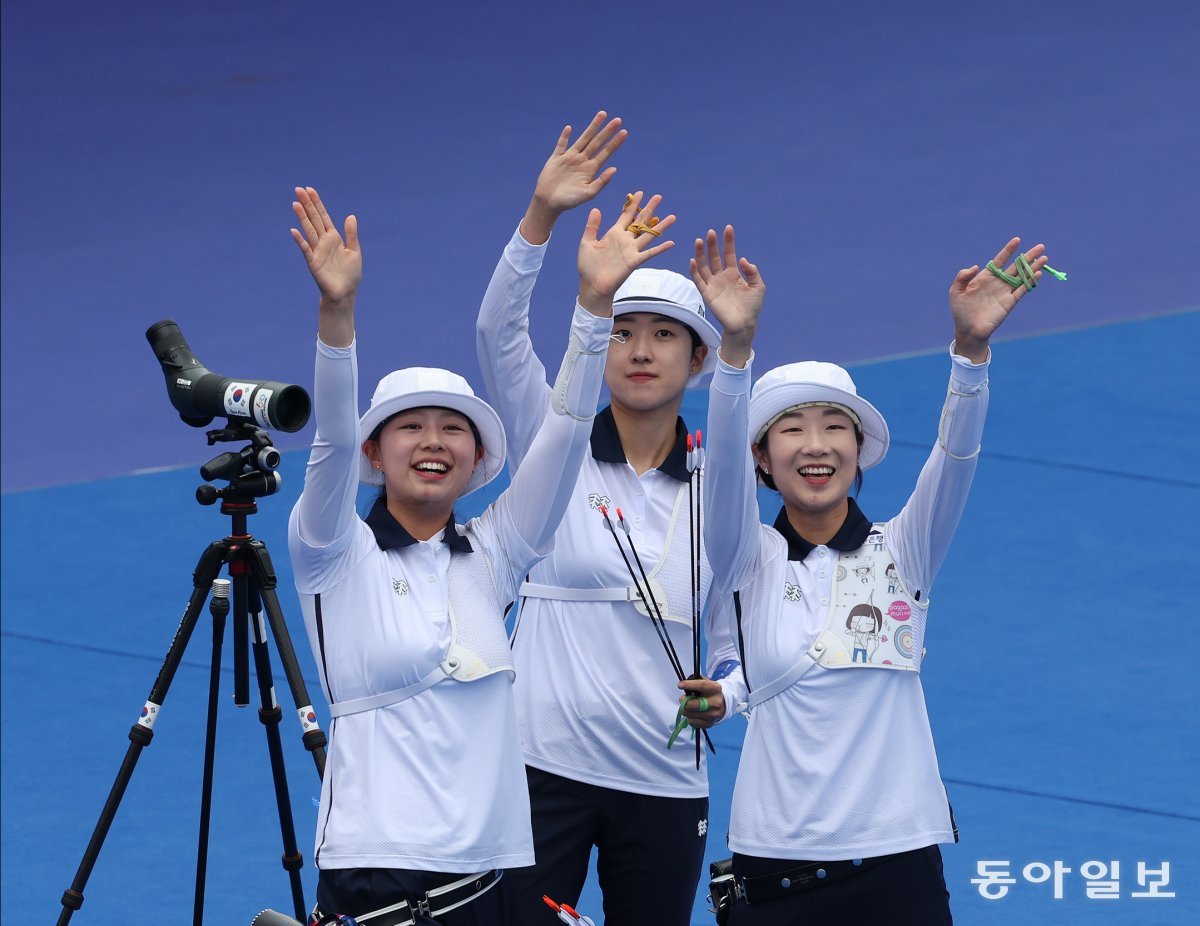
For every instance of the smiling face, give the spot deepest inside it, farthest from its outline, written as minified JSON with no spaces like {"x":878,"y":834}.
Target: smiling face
{"x":812,"y":455}
{"x":649,"y":361}
{"x":427,"y":456}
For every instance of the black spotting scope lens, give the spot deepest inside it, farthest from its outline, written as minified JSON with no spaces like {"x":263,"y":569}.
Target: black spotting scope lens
{"x":199,"y":395}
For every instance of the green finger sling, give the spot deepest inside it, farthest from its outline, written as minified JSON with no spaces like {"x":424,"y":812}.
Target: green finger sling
{"x":681,"y":721}
{"x":1025,"y":275}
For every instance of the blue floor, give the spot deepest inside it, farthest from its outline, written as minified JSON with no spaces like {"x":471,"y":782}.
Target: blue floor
{"x":1062,"y":700}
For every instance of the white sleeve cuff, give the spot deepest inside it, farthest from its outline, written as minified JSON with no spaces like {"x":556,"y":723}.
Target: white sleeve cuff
{"x":966,"y":373}
{"x":524,"y":257}
{"x":336,"y":353}
{"x":593,"y":331}
{"x":732,"y":380}
{"x":732,"y":693}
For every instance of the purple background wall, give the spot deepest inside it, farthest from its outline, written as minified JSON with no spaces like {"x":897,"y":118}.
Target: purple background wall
{"x":865,"y":151}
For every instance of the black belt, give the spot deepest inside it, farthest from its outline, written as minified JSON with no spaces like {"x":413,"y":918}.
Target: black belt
{"x":438,"y":901}
{"x":803,"y":876}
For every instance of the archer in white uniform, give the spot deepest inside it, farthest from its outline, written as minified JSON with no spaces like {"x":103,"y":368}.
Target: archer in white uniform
{"x":838,"y":806}
{"x":596,"y":694}
{"x":424,"y":791}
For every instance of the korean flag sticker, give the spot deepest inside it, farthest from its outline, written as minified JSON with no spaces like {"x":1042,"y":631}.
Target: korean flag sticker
{"x":237,"y":399}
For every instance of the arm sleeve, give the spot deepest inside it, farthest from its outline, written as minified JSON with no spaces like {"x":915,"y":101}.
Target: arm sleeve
{"x":324,"y":518}
{"x":721,"y":632}
{"x":731,"y":531}
{"x":920,"y":535}
{"x":512,"y":373}
{"x":527,"y":514}
{"x":326,"y":507}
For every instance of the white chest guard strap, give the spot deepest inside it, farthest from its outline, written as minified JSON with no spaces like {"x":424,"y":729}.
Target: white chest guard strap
{"x":358,"y":705}
{"x":478,"y":644}
{"x":659,"y":593}
{"x":561,"y":593}
{"x":758,"y":695}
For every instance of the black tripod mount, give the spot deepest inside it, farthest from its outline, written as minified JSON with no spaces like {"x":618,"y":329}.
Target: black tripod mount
{"x":250,"y":591}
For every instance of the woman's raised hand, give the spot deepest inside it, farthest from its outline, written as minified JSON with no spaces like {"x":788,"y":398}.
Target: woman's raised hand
{"x":574,"y":174}
{"x":336,"y":266}
{"x":732,"y":289}
{"x":980,"y":301}
{"x":606,"y":262}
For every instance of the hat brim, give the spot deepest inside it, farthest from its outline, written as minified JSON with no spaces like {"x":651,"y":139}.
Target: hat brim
{"x":776,"y":399}
{"x":482,"y":415}
{"x":685,"y":316}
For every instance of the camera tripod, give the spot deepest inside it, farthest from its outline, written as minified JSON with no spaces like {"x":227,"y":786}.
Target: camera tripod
{"x":250,"y":474}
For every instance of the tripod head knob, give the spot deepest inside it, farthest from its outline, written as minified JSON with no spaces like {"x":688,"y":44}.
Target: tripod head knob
{"x":258,"y":456}
{"x":241,"y":488}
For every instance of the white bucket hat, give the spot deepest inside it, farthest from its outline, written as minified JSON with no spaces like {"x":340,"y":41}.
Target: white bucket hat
{"x":814,"y":382}
{"x":664,"y":292}
{"x":421,"y":387}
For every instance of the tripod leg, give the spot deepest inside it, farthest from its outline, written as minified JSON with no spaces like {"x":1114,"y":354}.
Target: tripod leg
{"x":142,"y":732}
{"x":269,"y":713}
{"x":240,"y":575}
{"x":264,"y":573}
{"x":219,"y":608}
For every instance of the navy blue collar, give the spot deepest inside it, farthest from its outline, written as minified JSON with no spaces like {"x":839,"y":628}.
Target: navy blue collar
{"x":850,"y":536}
{"x":606,"y":446}
{"x":390,"y":534}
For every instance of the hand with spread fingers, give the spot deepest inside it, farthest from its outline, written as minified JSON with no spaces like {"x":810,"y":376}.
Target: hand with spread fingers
{"x":713,"y":702}
{"x":336,"y":266}
{"x":606,"y":262}
{"x":980,"y":299}
{"x":732,"y":289}
{"x":574,"y":174}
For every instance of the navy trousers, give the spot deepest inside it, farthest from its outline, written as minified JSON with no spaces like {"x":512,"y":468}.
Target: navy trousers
{"x":649,"y":851}
{"x":908,"y":889}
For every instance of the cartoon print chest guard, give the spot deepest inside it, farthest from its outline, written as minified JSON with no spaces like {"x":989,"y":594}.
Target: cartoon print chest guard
{"x":478,"y":644}
{"x":873,"y":622}
{"x":667,"y":574}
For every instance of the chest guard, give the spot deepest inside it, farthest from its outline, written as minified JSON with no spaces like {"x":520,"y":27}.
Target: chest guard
{"x":873,"y":622}
{"x":478,"y":644}
{"x":670,"y":574}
